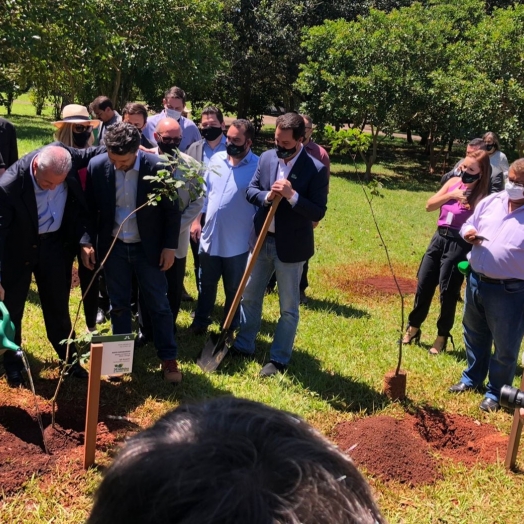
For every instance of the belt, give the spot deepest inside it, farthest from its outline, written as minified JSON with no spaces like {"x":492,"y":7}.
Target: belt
{"x":448,"y":232}
{"x":45,"y":236}
{"x":499,"y":281}
{"x":270,"y":234}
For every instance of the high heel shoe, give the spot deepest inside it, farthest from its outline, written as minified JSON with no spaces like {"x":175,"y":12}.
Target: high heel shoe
{"x":408,"y":338}
{"x":440,"y":344}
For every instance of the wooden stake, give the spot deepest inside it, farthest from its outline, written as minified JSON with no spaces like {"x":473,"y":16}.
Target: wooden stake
{"x":93,"y":403}
{"x":514,"y":436}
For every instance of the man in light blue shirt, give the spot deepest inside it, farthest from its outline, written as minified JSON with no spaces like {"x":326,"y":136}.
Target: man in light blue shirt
{"x":174,"y":102}
{"x":224,"y":243}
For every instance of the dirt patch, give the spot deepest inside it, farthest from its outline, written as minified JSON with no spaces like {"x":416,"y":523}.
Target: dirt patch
{"x":366,"y":281}
{"x":402,"y":449}
{"x":75,"y":279}
{"x":22,"y":453}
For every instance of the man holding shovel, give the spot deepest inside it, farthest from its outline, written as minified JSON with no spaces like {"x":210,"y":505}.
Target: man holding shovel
{"x":302,"y":181}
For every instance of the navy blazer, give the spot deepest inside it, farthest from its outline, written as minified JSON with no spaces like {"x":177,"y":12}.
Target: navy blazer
{"x":19,"y":238}
{"x":293,"y":225}
{"x":158,"y":225}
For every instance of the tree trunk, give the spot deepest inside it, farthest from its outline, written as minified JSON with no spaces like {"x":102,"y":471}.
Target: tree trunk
{"x":116,"y":87}
{"x":424,"y":138}
{"x":409,"y":138}
{"x":244,"y":100}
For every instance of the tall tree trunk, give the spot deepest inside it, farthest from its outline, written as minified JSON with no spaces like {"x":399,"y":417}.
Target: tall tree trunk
{"x":409,"y":137}
{"x":116,"y":87}
{"x":244,"y":100}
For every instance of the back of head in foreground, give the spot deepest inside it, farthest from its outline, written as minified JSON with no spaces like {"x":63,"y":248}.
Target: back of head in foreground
{"x":231,"y":461}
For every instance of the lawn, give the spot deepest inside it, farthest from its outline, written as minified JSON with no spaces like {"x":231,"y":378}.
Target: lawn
{"x":346,"y":342}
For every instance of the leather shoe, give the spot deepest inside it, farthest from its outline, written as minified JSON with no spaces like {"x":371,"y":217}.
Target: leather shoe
{"x":303,"y":298}
{"x":235,"y":352}
{"x":272,"y":368}
{"x":140,"y":340}
{"x":15,"y":379}
{"x":489,"y":405}
{"x":195,"y":329}
{"x":460,"y":387}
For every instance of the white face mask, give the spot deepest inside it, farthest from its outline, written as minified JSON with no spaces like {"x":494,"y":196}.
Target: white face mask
{"x":514,"y":192}
{"x":171,"y":113}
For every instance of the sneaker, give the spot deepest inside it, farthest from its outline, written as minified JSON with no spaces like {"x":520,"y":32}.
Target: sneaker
{"x":171,"y":372}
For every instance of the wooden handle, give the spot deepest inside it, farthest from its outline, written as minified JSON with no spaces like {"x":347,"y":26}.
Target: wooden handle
{"x":252,"y":260}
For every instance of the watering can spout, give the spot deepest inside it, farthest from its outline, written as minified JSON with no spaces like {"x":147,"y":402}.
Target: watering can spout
{"x":7,"y":331}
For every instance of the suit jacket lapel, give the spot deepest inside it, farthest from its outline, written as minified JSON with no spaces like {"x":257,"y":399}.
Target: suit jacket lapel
{"x":297,"y":167}
{"x":273,"y":170}
{"x":29,"y":197}
{"x":110,"y":179}
{"x":142,"y":186}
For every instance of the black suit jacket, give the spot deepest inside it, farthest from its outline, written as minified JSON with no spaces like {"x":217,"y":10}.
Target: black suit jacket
{"x":8,"y":144}
{"x":293,"y":225}
{"x":158,"y":226}
{"x":19,"y":238}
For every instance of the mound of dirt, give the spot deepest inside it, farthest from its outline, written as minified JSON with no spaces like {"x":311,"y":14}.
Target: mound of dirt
{"x":401,"y":450}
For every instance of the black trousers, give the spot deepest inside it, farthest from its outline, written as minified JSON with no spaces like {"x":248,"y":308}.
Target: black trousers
{"x":439,"y":268}
{"x":52,"y":270}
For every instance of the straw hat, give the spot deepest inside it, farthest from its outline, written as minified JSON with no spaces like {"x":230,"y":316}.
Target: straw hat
{"x":76,"y":114}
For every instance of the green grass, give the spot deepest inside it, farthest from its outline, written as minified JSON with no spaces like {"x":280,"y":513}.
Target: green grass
{"x":344,"y":346}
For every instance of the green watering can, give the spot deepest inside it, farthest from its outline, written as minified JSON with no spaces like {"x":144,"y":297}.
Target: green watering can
{"x":7,"y":331}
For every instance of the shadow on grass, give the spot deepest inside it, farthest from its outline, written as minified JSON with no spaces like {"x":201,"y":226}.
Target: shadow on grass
{"x":332,"y":307}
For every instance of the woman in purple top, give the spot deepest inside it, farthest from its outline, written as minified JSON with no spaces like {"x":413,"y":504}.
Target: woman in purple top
{"x":456,"y":201}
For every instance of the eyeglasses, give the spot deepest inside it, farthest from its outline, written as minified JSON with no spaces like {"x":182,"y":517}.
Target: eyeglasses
{"x":79,"y":128}
{"x":170,"y":140}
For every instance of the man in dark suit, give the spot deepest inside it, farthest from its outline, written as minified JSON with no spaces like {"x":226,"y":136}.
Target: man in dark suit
{"x":302,"y":181}
{"x":145,"y":242}
{"x":42,"y":218}
{"x":8,"y":144}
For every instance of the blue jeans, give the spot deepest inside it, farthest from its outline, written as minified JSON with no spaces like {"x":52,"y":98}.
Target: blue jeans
{"x":122,"y":262}
{"x":231,"y":269}
{"x":288,"y":279}
{"x":492,"y":313}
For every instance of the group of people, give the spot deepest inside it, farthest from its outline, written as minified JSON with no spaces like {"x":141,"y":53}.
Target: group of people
{"x":85,"y":196}
{"x":481,"y":227}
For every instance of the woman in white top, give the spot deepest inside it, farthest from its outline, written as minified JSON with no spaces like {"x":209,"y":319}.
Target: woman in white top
{"x":497,"y":159}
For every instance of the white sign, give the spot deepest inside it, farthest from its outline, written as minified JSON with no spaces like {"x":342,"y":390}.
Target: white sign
{"x":117,"y":353}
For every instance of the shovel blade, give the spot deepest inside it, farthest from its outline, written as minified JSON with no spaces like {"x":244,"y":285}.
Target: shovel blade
{"x":213,"y":353}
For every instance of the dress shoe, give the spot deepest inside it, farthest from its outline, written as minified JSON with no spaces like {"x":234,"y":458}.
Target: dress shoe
{"x":303,"y":298}
{"x":238,"y":353}
{"x":186,"y":297}
{"x":272,"y":368}
{"x":15,"y":379}
{"x":460,"y":387}
{"x":140,"y":340}
{"x":411,"y":336}
{"x":440,"y":344}
{"x":171,"y":372}
{"x":77,"y":371}
{"x":100,"y":316}
{"x":195,"y":329}
{"x":489,"y":405}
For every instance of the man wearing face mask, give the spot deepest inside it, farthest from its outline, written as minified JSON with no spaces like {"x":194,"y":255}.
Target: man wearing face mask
{"x":174,"y":102}
{"x":302,"y":181}
{"x":495,"y":290}
{"x":212,"y":129}
{"x":224,"y":243}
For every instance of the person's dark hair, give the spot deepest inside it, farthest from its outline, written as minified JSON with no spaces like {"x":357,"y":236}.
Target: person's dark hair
{"x":294,"y":122}
{"x":212,"y":110}
{"x":232,"y":461}
{"x":481,"y":189}
{"x":494,"y":137}
{"x":122,"y":138}
{"x":100,"y":102}
{"x":175,"y":92}
{"x":477,"y":143}
{"x":246,"y":126}
{"x":307,"y":118}
{"x":132,"y":108}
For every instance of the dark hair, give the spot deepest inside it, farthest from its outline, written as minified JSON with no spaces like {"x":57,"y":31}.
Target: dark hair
{"x":294,"y":122}
{"x":232,"y":461}
{"x":212,"y":110}
{"x":122,"y":138}
{"x":175,"y":92}
{"x":308,"y":118}
{"x":246,"y":126}
{"x":494,"y":137}
{"x":100,"y":102}
{"x":481,"y":189}
{"x":132,"y":108}
{"x":478,"y":143}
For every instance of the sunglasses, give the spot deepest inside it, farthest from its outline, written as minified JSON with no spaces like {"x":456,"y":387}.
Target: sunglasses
{"x":170,"y":140}
{"x":79,"y":128}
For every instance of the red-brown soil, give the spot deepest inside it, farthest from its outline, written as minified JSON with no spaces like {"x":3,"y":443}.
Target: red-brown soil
{"x":403,"y":450}
{"x":22,"y":453}
{"x":75,"y":279}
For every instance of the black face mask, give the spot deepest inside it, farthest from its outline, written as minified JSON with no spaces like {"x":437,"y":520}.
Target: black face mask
{"x":284,"y":153}
{"x":211,"y":133}
{"x":80,"y":139}
{"x":490,"y":147}
{"x":233,"y":150}
{"x":468,"y":178}
{"x":168,"y":149}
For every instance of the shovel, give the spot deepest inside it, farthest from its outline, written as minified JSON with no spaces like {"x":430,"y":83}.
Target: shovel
{"x":216,"y":347}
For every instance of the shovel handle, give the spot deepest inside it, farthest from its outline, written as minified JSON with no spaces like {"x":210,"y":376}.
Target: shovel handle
{"x":252,"y":260}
